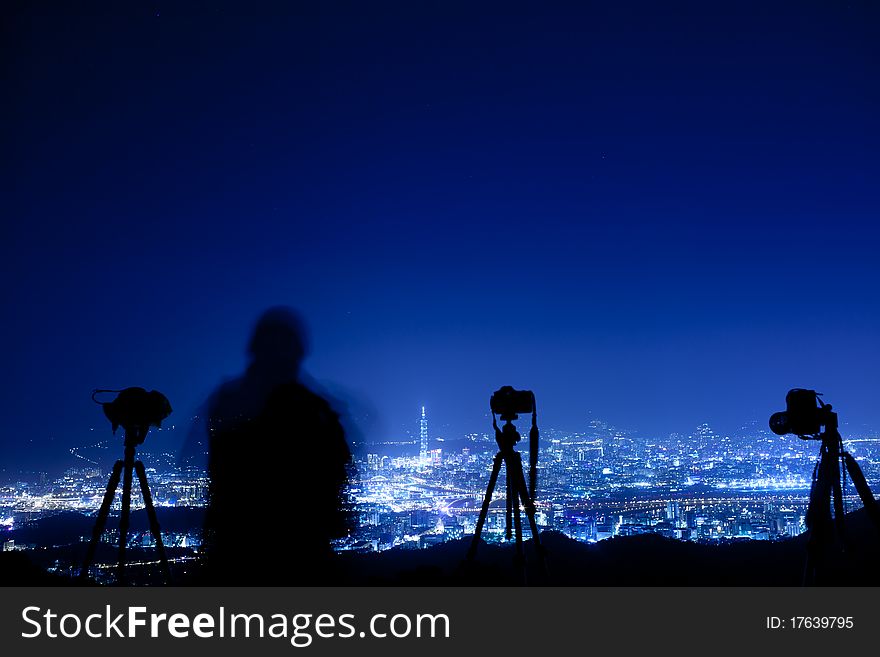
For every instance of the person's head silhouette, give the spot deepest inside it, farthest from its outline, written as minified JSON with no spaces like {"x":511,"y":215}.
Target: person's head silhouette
{"x":279,"y":341}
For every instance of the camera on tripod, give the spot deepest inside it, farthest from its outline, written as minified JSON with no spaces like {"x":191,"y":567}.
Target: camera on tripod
{"x":135,"y":410}
{"x":804,"y":415}
{"x":807,"y":417}
{"x":507,"y":403}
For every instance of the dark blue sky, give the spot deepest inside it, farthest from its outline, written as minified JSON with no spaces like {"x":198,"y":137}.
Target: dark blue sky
{"x":659,"y":213}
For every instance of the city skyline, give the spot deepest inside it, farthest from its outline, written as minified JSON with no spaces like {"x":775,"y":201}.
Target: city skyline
{"x":173,"y":437}
{"x":415,"y":438}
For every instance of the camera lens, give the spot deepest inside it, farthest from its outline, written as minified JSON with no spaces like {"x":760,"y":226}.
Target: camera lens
{"x":779,"y":423}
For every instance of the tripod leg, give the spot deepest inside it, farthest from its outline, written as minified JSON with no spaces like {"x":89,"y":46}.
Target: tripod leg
{"x":101,"y":521}
{"x":517,"y":519}
{"x":154,"y":521}
{"x":510,"y":497}
{"x":519,"y":559}
{"x":511,"y":461}
{"x":125,"y":513}
{"x":819,"y":523}
{"x":529,"y":505}
{"x":837,"y":496}
{"x":493,"y":479}
{"x":861,"y":484}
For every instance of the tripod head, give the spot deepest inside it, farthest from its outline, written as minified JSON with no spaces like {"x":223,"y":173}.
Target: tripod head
{"x":507,"y":436}
{"x":135,"y":410}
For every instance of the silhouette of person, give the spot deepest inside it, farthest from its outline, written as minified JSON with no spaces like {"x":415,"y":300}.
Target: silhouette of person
{"x":277,"y":463}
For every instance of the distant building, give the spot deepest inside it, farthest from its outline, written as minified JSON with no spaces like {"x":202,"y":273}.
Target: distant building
{"x":423,"y":439}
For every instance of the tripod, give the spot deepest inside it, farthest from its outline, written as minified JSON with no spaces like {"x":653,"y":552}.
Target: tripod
{"x":829,"y":478}
{"x":134,"y":435}
{"x":517,"y":493}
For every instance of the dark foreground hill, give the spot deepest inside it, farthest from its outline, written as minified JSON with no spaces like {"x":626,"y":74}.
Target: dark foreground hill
{"x":646,"y":560}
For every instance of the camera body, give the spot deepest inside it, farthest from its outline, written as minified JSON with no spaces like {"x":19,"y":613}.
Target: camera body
{"x":136,"y":410}
{"x":804,"y":414}
{"x":507,"y":403}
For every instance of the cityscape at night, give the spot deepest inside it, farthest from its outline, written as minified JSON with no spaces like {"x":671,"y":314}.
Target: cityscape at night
{"x":593,"y":484}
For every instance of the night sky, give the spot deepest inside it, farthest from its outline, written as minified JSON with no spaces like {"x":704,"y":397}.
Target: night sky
{"x":656,"y":214}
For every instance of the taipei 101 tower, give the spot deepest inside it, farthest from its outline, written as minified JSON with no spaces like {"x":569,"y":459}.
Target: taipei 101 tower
{"x":423,"y":435}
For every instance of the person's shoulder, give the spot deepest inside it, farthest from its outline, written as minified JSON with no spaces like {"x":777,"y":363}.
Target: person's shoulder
{"x":303,"y":397}
{"x":227,"y":390}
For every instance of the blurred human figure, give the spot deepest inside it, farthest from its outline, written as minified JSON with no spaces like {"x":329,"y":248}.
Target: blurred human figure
{"x":277,"y":462}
